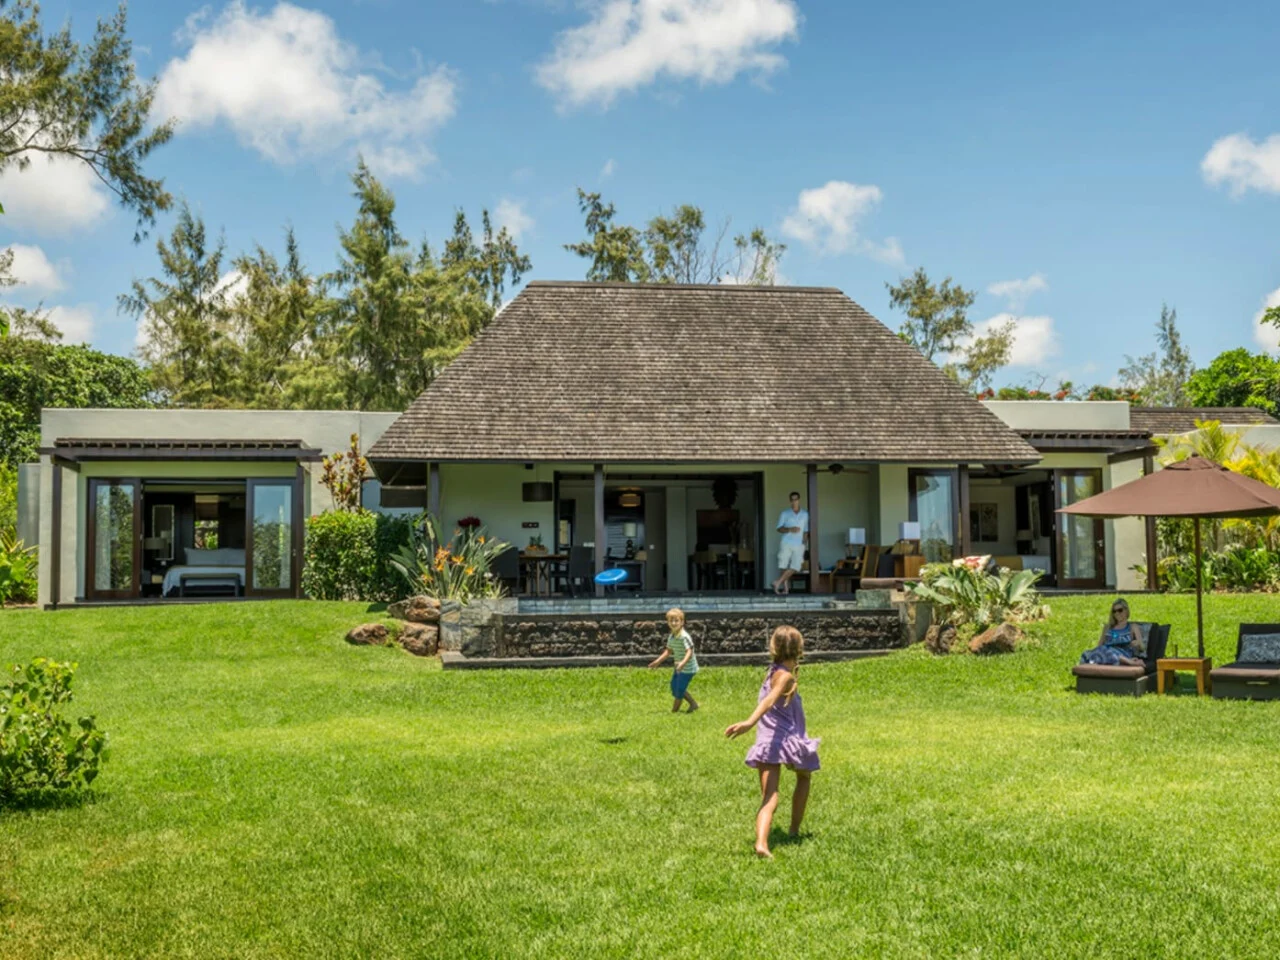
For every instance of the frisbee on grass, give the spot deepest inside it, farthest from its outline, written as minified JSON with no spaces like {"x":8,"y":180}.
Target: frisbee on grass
{"x":609,"y":577}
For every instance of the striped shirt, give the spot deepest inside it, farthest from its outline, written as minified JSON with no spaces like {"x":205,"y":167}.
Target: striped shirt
{"x":678,"y":643}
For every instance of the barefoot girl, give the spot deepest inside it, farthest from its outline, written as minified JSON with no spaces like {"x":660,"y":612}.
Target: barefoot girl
{"x":780,"y":737}
{"x":680,"y":649}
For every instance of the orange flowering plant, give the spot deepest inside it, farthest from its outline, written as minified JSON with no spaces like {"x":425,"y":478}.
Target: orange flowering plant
{"x":456,"y":569}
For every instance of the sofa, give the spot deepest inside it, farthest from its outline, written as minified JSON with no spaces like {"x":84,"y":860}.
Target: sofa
{"x":1128,"y":681}
{"x":1255,"y":674}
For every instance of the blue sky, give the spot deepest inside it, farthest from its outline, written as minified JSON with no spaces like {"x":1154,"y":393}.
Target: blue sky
{"x":1087,"y":160}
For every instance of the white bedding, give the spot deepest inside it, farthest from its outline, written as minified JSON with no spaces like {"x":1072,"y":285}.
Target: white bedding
{"x":173,"y":574}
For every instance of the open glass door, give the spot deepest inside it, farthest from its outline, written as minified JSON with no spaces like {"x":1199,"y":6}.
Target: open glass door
{"x":271,"y":554}
{"x":932,"y":504}
{"x":1081,"y":541}
{"x":115,"y":539}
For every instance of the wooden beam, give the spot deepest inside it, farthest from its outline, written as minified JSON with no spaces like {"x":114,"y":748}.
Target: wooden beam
{"x":1153,"y":581}
{"x":433,"y":490}
{"x":962,"y":508}
{"x":600,"y":535}
{"x":55,"y":546}
{"x":815,"y":562}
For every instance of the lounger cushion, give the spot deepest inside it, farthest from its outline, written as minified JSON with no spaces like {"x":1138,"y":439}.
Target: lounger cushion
{"x":1241,"y":670}
{"x":1108,"y":672}
{"x":1260,"y":648}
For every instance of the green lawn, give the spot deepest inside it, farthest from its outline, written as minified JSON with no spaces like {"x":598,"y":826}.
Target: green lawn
{"x":272,"y":792}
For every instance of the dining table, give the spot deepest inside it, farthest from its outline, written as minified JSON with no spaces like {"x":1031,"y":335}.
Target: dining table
{"x":536,"y":569}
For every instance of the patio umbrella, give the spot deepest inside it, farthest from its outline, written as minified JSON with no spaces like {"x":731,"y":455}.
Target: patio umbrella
{"x":1195,"y":488}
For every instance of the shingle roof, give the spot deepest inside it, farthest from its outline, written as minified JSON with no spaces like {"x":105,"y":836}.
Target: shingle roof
{"x":657,"y":373}
{"x":1169,"y":420}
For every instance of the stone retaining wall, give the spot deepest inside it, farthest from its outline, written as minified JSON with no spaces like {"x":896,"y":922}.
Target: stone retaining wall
{"x":550,"y":635}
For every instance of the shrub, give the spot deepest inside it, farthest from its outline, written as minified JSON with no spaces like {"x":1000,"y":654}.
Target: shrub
{"x":18,"y":570}
{"x":348,"y":555}
{"x":457,"y":569}
{"x":344,"y":475}
{"x":964,"y":594}
{"x":40,"y":749}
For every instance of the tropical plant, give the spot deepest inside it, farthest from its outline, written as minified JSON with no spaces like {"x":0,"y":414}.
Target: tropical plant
{"x":343,"y":476}
{"x":18,"y":565}
{"x":964,"y":593}
{"x":39,"y":748}
{"x":456,"y":569}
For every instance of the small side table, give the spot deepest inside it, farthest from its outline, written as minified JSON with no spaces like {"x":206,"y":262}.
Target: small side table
{"x":1200,"y":666}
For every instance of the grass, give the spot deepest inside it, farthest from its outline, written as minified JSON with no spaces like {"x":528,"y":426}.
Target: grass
{"x":273,"y":792}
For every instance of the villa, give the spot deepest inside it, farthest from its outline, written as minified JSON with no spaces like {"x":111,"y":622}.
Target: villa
{"x":657,"y":428}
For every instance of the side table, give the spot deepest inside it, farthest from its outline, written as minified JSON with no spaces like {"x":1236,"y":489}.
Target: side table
{"x":1166,"y":667}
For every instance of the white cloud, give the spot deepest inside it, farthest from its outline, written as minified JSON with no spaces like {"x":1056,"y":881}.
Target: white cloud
{"x":1017,"y":292}
{"x":1241,"y":164}
{"x":827,"y":218}
{"x":1267,"y":337}
{"x":511,"y":214}
{"x":1034,"y":338}
{"x":33,"y":270}
{"x":628,"y":44}
{"x":52,"y":196}
{"x":76,"y":323}
{"x":291,"y":88}
{"x":607,"y":170}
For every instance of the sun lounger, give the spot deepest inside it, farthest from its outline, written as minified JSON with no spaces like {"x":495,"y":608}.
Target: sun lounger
{"x":1255,"y":674}
{"x":1129,"y":681}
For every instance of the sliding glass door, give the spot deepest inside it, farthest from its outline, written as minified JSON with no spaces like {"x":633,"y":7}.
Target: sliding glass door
{"x":1080,"y":540}
{"x":114,"y":545}
{"x":933,"y":505}
{"x":272,"y":553}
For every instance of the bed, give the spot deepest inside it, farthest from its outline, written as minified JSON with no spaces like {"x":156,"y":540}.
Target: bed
{"x":206,"y":572}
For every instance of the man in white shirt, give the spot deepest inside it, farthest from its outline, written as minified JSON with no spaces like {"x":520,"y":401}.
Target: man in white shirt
{"x":793,"y":524}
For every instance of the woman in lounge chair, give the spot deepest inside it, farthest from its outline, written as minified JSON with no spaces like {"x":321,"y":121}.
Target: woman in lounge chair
{"x":1122,"y":643}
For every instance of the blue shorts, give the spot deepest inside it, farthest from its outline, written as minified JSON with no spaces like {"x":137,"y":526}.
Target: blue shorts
{"x":680,"y":684}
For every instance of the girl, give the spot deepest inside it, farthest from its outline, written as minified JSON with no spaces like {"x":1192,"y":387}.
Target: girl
{"x":1122,"y":642}
{"x":680,"y":649}
{"x":780,"y":738}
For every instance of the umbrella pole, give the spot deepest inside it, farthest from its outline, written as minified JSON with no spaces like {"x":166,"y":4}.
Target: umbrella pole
{"x":1199,"y":591}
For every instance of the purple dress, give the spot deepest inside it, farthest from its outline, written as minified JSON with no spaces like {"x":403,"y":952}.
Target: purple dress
{"x":780,"y":733}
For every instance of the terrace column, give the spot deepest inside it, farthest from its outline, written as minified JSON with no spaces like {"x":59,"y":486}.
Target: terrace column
{"x":433,"y":490}
{"x":1153,"y":582}
{"x":814,"y":565}
{"x":600,"y":536}
{"x":55,"y":539}
{"x":962,"y":489}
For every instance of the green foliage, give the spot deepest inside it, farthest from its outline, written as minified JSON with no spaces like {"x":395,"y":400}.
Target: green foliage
{"x":1162,"y":376}
{"x":488,"y":264}
{"x":8,"y":496}
{"x":938,"y":326}
{"x":40,"y":750}
{"x":672,"y":249}
{"x":1066,"y":391}
{"x":455,"y":569}
{"x":189,"y":342}
{"x":59,"y":98}
{"x":35,"y":374}
{"x":1237,"y":378}
{"x":18,"y":569}
{"x":1240,"y":569}
{"x":964,"y":594}
{"x":348,"y":555}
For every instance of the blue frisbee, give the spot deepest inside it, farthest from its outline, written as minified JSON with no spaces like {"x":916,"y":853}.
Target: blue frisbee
{"x":608,"y":578}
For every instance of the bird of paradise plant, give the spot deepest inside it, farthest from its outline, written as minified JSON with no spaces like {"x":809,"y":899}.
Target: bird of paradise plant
{"x":456,"y":569}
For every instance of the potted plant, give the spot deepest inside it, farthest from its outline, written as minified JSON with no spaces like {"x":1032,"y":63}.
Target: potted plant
{"x":535,"y":544}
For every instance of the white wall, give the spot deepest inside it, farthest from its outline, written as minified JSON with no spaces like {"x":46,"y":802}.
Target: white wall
{"x":1061,"y":415}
